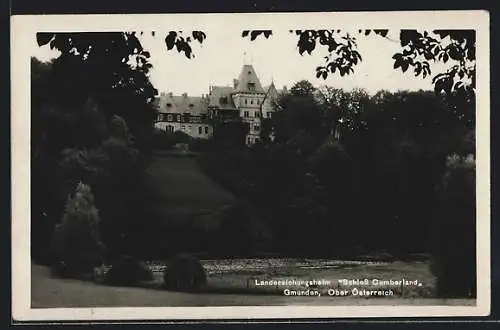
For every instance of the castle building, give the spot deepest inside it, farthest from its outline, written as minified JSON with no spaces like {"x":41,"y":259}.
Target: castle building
{"x":246,"y":100}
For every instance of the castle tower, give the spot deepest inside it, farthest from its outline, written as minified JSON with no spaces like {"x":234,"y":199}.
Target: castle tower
{"x":248,"y":96}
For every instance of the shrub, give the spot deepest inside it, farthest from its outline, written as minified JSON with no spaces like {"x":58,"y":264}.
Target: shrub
{"x":128,"y":271}
{"x":240,"y":232}
{"x":454,"y":244}
{"x":184,"y":273}
{"x":76,"y":242}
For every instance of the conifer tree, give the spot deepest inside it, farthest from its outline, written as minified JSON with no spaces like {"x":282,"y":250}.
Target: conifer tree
{"x":76,"y":242}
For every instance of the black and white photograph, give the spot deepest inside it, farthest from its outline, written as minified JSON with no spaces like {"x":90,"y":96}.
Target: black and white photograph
{"x":250,"y":166}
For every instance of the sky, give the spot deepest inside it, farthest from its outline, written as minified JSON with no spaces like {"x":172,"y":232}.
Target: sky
{"x":221,"y":56}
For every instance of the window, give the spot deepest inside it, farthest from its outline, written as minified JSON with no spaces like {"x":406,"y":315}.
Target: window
{"x":191,"y":105}
{"x":246,"y":101}
{"x":183,"y":127}
{"x":251,"y":101}
{"x":178,"y":118}
{"x":169,"y":117}
{"x":206,"y":130}
{"x":256,"y":128}
{"x":257,"y":114}
{"x":269,"y":114}
{"x":160,"y":117}
{"x":169,"y":105}
{"x":190,"y":127}
{"x":249,"y":140}
{"x":245,"y":114}
{"x":200,"y":131}
{"x":251,"y":86}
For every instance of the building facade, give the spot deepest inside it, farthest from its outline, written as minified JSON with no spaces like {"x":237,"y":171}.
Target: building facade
{"x":246,"y":100}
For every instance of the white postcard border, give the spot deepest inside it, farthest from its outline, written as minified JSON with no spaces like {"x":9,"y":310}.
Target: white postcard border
{"x":23,"y":29}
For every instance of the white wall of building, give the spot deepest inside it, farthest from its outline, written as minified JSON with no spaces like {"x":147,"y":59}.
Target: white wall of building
{"x":195,"y":130}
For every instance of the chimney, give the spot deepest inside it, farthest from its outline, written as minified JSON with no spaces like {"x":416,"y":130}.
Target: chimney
{"x":170,"y":94}
{"x":184,"y":95}
{"x":285,"y":89}
{"x":235,"y":83}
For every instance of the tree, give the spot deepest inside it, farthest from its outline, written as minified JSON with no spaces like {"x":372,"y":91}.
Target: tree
{"x":76,"y":241}
{"x":454,"y":241}
{"x":418,"y":48}
{"x":303,"y":88}
{"x":113,"y":69}
{"x":300,"y":110}
{"x":75,"y":99}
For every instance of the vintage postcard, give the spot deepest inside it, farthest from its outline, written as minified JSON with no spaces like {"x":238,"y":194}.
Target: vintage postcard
{"x":250,"y":166}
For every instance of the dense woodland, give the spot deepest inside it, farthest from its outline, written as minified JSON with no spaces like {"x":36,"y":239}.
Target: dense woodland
{"x":348,"y":173}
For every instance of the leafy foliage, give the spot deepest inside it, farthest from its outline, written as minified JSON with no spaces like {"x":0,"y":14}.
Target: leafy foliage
{"x":185,"y":273}
{"x":256,"y":33}
{"x":182,"y":43}
{"x":418,"y":48}
{"x":240,"y":233}
{"x":128,"y":271}
{"x":302,"y":88}
{"x":453,"y":245}
{"x":340,"y":161}
{"x":113,"y":69}
{"x":349,"y":162}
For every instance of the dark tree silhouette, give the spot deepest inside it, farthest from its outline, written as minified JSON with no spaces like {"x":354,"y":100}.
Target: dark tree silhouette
{"x":113,"y":69}
{"x":418,"y":48}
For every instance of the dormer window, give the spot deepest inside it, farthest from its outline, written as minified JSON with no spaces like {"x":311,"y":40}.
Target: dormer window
{"x":191,"y":105}
{"x":169,"y":105}
{"x":251,"y":86}
{"x":223,"y":100}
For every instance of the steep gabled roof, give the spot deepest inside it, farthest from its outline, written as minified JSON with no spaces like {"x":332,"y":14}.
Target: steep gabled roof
{"x":248,"y":82}
{"x":194,"y":105}
{"x":220,"y":96}
{"x":271,"y":92}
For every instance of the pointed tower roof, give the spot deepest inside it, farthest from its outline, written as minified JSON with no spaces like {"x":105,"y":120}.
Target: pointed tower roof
{"x":271,"y":91}
{"x":248,"y":82}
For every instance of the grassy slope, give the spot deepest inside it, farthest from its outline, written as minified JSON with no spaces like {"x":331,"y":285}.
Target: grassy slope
{"x":185,"y":192}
